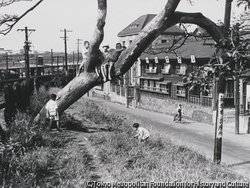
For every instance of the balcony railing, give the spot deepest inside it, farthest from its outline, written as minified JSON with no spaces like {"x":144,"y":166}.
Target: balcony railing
{"x":180,"y":93}
{"x":157,"y":89}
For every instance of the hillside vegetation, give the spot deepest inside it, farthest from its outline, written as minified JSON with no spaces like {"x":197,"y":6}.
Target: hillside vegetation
{"x":96,"y":144}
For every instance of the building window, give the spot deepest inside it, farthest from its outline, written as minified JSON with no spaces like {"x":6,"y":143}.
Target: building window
{"x":180,"y":92}
{"x":177,"y":69}
{"x":229,"y":89}
{"x":195,"y":67}
{"x":151,"y":68}
{"x":166,"y":68}
{"x":164,"y":88}
{"x":163,"y":41}
{"x":181,"y":69}
{"x":133,"y":25}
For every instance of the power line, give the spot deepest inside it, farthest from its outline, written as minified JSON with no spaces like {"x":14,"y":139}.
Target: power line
{"x":65,"y":46}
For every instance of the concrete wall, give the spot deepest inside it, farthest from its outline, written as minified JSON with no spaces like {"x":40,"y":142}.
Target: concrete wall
{"x":164,"y":104}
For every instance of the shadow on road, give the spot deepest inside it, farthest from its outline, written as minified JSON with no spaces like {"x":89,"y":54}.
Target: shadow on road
{"x":238,"y":164}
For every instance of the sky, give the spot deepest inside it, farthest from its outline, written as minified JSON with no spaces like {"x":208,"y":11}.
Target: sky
{"x":51,"y":17}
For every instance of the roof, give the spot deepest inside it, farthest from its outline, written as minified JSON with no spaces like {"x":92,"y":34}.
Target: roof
{"x":136,"y":26}
{"x":196,"y":48}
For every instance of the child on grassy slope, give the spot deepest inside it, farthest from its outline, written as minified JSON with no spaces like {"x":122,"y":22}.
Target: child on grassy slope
{"x":52,"y":111}
{"x":141,"y":133}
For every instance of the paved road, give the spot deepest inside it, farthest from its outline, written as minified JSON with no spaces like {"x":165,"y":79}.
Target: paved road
{"x":199,"y":136}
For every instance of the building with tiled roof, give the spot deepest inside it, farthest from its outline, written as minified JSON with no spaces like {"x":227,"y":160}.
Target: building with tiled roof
{"x":136,"y":26}
{"x":155,"y":81}
{"x":130,"y":32}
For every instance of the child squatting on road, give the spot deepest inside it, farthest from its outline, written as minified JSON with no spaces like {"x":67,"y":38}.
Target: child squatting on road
{"x":141,"y":133}
{"x":52,"y":112}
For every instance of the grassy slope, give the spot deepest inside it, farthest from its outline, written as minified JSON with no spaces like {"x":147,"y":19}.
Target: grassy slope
{"x":160,"y":159}
{"x":35,"y":157}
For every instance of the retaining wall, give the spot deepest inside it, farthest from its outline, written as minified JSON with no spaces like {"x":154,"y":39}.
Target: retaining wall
{"x":164,"y":104}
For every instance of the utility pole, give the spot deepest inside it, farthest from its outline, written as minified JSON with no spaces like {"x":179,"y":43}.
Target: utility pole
{"x":65,"y":46}
{"x":220,"y":94}
{"x":7,"y":68}
{"x":26,"y":49}
{"x":78,"y":42}
{"x":227,"y":16}
{"x":74,"y":64}
{"x":52,"y":67}
{"x":237,"y":82}
{"x":127,"y":88}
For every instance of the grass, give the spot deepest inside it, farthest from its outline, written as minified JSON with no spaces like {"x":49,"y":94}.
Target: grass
{"x":35,"y":157}
{"x":159,"y":159}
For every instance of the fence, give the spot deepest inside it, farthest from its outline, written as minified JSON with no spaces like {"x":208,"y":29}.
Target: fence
{"x":204,"y":100}
{"x":13,"y":68}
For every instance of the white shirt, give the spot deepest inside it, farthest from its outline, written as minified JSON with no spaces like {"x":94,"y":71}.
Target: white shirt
{"x":142,"y":133}
{"x":52,"y":107}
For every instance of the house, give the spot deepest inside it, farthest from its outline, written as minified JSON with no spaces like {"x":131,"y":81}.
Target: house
{"x":155,"y":81}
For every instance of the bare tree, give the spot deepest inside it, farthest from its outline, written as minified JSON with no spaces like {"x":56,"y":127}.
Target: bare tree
{"x":90,"y":76}
{"x":8,"y":21}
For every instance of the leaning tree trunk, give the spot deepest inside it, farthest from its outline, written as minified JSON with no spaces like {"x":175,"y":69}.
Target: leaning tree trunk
{"x":88,"y":78}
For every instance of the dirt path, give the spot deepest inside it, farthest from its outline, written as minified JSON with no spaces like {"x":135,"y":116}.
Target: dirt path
{"x":81,"y":139}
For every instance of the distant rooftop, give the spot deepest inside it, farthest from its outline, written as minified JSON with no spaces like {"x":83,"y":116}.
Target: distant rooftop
{"x":136,"y":26}
{"x":197,"y":48}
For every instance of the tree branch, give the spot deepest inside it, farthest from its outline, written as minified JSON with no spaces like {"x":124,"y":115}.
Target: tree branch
{"x":94,"y":53}
{"x":15,"y":19}
{"x":165,"y":19}
{"x":145,"y":37}
{"x":6,"y":3}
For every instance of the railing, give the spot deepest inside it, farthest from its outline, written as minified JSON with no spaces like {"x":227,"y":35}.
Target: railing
{"x":180,"y":93}
{"x":205,"y":100}
{"x":156,"y":89}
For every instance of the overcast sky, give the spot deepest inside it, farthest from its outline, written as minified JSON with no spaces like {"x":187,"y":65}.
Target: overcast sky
{"x":79,"y":16}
